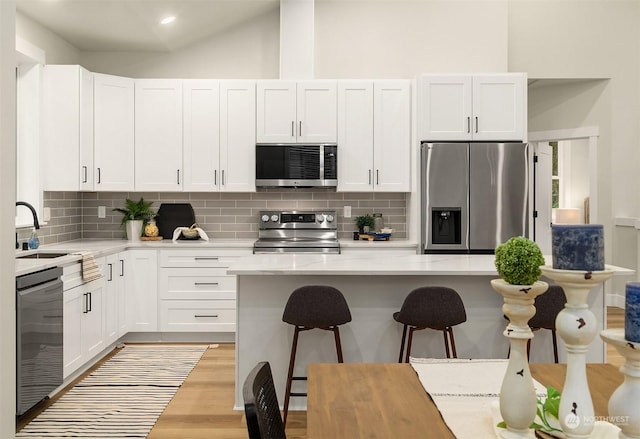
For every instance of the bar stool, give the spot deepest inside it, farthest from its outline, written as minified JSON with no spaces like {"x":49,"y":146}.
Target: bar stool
{"x":313,"y":307}
{"x":433,"y":307}
{"x":548,"y":305}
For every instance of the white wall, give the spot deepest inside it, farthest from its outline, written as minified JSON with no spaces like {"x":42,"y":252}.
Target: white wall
{"x":7,"y":207}
{"x":58,"y":51}
{"x":402,"y":38}
{"x":575,"y":158}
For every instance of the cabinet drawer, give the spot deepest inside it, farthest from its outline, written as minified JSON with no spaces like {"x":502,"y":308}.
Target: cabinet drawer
{"x":196,"y":283}
{"x":200,"y":258}
{"x":198,"y":315}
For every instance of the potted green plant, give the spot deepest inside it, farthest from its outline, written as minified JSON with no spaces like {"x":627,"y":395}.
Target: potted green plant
{"x":134,"y":215}
{"x":363,"y":221}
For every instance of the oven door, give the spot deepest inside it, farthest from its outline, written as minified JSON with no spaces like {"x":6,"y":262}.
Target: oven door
{"x":288,"y":165}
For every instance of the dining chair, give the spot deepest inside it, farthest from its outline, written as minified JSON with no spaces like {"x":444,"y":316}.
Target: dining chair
{"x":261,"y":404}
{"x":548,"y":305}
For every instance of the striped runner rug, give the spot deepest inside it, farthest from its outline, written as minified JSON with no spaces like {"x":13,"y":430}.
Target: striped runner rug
{"x":123,"y":398}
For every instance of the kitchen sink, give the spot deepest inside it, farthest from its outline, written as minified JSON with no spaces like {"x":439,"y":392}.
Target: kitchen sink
{"x":42,"y":255}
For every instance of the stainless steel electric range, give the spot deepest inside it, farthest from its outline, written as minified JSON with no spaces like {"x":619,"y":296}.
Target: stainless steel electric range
{"x":297,"y":232}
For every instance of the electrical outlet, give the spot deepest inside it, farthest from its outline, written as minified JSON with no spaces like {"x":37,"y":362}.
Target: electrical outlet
{"x":347,"y":211}
{"x":102,"y":212}
{"x":47,"y":214}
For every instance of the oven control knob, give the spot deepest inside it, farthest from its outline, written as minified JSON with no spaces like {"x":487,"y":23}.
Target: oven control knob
{"x":330,"y":218}
{"x":320,"y":217}
{"x":264,"y":218}
{"x":274,"y":218}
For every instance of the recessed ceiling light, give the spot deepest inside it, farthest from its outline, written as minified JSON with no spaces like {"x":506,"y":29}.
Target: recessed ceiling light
{"x":167,"y":20}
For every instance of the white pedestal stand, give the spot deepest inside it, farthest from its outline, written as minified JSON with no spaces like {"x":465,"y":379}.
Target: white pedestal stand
{"x":577,"y":326}
{"x":517,"y":393}
{"x":624,"y":403}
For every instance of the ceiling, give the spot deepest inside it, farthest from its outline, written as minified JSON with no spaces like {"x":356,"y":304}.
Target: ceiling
{"x":134,"y":25}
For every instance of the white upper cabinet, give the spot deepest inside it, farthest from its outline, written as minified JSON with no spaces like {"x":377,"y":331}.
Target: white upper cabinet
{"x":201,"y":141}
{"x":296,"y":112}
{"x":237,"y":136}
{"x":472,"y":107}
{"x":374,"y":132}
{"x":67,"y":128}
{"x":113,"y":133}
{"x":158,"y":135}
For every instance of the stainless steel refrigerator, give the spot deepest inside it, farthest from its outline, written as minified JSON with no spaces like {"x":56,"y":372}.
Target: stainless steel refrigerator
{"x":474,"y":195}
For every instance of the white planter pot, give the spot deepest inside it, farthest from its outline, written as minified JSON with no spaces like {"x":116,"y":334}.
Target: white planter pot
{"x":134,"y":230}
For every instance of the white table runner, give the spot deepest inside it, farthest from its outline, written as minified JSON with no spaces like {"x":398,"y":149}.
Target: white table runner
{"x":464,"y":392}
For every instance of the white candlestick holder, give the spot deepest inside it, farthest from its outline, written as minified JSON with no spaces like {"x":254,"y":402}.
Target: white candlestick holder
{"x":624,"y":403}
{"x":577,"y":326}
{"x":517,"y":393}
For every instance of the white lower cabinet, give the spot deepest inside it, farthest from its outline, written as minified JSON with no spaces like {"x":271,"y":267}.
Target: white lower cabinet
{"x":115,"y":319}
{"x":195,"y":292}
{"x":83,"y":324}
{"x":141,"y":285}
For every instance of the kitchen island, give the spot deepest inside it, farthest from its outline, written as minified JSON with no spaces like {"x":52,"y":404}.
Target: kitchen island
{"x":375,"y":285}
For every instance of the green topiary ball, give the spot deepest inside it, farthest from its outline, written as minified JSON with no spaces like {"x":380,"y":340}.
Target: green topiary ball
{"x":518,"y":261}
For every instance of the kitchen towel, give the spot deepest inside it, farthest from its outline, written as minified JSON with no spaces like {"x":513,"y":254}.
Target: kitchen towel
{"x":90,"y":269}
{"x":178,"y":231}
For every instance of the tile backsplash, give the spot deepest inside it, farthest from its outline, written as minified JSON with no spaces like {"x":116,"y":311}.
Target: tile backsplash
{"x":222,"y":215}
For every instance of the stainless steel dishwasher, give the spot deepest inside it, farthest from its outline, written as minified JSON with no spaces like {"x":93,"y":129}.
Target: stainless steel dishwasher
{"x":39,"y":306}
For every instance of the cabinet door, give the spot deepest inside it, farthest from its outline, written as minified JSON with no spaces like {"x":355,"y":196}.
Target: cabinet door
{"x":74,"y":303}
{"x":92,"y":328}
{"x":142,"y":290}
{"x":355,"y":136}
{"x":67,"y":121}
{"x":110,"y":299}
{"x":237,"y":136}
{"x":158,"y":135}
{"x":113,"y":133}
{"x":201,"y":148}
{"x":392,"y":136}
{"x":499,"y":107}
{"x":276,"y":112}
{"x":445,"y":107}
{"x":316,"y":111}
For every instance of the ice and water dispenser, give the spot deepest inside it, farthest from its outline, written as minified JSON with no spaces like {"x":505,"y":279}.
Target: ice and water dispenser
{"x":446,"y":226}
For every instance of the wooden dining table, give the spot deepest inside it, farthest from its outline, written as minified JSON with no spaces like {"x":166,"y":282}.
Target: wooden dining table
{"x":387,"y":400}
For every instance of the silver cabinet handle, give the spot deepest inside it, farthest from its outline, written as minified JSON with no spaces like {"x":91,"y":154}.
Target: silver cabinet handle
{"x":377,"y":176}
{"x":86,"y":303}
{"x":110,"y":272}
{"x":476,"y":124}
{"x":215,"y":177}
{"x":223,"y":177}
{"x":121,"y":267}
{"x":205,"y":315}
{"x":293,"y":124}
{"x":468,"y":124}
{"x":178,"y":173}
{"x":84,"y":170}
{"x":300,"y":129}
{"x":369,"y":176}
{"x":89,"y":297}
{"x":99,"y":176}
{"x":205,"y":283}
{"x":206,"y":258}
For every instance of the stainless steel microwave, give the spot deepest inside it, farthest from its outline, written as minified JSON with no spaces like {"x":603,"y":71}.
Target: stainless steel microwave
{"x":296,"y":165}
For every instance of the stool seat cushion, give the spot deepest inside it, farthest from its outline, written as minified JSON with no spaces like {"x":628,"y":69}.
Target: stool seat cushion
{"x":316,"y":306}
{"x":432,"y":307}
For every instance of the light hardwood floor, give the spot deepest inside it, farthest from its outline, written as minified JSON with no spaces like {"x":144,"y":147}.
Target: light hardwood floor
{"x":203,"y":407}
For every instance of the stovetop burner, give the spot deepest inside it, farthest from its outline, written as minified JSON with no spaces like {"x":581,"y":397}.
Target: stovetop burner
{"x":297,"y":232}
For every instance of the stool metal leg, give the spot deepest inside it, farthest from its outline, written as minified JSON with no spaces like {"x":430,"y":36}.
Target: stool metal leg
{"x":336,"y":335}
{"x":292,"y":360}
{"x":411,"y":329}
{"x":445,"y":333}
{"x":404,"y":337}
{"x":453,"y":342}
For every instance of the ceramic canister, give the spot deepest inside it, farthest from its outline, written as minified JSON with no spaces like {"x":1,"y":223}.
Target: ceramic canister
{"x":577,"y":246}
{"x":632,"y":312}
